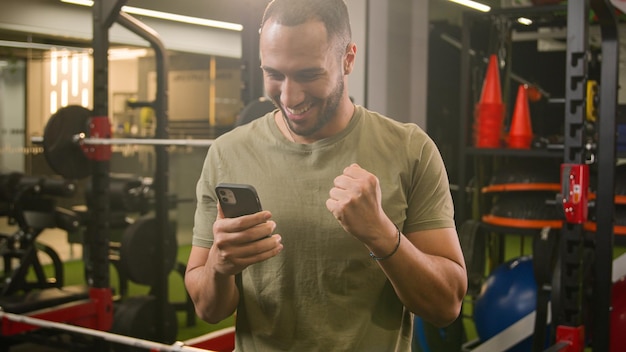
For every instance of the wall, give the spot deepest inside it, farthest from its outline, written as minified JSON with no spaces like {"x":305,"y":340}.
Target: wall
{"x":357,"y":81}
{"x":123,"y":83}
{"x":12,"y":111}
{"x":397,"y":64}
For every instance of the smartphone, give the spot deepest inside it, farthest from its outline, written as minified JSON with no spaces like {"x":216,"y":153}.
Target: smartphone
{"x":238,"y":199}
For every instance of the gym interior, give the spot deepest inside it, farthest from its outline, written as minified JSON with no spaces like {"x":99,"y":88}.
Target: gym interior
{"x":521,"y":97}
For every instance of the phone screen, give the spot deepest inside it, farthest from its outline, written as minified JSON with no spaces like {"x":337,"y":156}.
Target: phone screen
{"x":238,"y":199}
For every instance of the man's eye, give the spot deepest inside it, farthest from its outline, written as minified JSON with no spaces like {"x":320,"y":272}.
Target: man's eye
{"x":308,"y":77}
{"x":274,"y":75}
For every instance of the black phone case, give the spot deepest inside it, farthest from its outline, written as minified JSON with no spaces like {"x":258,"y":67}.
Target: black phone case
{"x":238,"y":199}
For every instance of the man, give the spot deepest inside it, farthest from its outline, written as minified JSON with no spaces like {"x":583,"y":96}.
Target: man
{"x":357,"y":232}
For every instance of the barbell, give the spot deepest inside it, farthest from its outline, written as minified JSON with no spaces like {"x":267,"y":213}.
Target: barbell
{"x":82,"y":138}
{"x":104,"y":335}
{"x":73,"y":138}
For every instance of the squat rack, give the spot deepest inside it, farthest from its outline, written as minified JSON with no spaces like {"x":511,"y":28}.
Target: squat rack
{"x":105,"y":13}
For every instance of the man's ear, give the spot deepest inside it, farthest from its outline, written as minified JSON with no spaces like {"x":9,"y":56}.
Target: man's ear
{"x":348,"y":59}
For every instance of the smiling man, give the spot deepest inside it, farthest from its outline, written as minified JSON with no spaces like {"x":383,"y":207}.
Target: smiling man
{"x":357,"y":234}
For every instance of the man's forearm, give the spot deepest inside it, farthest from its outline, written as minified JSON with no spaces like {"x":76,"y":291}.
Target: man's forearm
{"x":430,"y":285}
{"x":214,"y":296}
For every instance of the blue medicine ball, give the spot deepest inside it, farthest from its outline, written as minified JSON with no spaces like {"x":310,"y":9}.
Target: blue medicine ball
{"x":508,"y":295}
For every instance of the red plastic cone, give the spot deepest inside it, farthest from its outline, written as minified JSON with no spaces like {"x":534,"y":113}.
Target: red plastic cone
{"x":491,"y":92}
{"x":520,"y":131}
{"x":489,"y":112}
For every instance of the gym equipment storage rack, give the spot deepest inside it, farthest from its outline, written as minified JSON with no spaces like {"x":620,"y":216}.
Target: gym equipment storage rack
{"x":577,"y":150}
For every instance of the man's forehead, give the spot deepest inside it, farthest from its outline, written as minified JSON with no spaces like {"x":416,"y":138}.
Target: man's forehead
{"x":274,"y":25}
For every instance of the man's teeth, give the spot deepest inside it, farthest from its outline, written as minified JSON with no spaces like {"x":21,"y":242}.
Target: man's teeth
{"x":298,"y":111}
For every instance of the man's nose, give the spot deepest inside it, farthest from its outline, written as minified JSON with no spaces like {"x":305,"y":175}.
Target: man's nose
{"x":291,"y":93}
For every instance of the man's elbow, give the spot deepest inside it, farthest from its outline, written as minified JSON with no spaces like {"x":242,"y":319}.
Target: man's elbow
{"x":447,"y":316}
{"x":452,"y":309}
{"x":209,"y":318}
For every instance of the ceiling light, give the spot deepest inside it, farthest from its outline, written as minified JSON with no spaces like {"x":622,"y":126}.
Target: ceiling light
{"x":168,"y":16}
{"x":525,"y":21}
{"x":39,"y":46}
{"x":473,"y":4}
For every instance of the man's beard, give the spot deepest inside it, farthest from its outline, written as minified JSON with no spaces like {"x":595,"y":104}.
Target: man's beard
{"x":325,"y":115}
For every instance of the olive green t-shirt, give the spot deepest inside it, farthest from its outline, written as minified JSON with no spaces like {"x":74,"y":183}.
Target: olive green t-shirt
{"x":324,"y":292}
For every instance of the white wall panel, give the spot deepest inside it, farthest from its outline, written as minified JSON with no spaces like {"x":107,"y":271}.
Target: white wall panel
{"x":71,"y":21}
{"x":356,"y":80}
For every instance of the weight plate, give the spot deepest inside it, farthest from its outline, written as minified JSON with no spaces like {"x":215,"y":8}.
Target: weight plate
{"x":138,"y":251}
{"x":137,"y":317}
{"x":526,"y":205}
{"x":64,"y":155}
{"x":528,"y":171}
{"x":530,"y":210}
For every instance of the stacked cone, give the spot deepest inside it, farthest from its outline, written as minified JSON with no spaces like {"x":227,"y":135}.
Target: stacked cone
{"x":489,"y":113}
{"x":520,"y":132}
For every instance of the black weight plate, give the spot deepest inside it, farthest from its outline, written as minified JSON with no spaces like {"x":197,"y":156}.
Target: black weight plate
{"x":65,"y":156}
{"x":137,"y":317}
{"x":527,"y":171}
{"x":138,"y":251}
{"x":527,"y":206}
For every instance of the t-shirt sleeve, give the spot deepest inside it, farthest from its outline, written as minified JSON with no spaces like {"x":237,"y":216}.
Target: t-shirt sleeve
{"x":206,"y":206}
{"x":430,"y":204}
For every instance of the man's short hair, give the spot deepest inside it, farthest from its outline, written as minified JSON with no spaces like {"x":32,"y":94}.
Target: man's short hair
{"x":333,"y":13}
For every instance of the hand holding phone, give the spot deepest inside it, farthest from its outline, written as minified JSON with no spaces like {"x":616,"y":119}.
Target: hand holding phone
{"x":238,"y":199}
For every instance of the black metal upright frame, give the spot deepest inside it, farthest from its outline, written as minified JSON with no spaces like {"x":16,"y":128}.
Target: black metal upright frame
{"x":98,"y":227}
{"x":571,"y":308}
{"x":568,"y":311}
{"x":161,"y":173}
{"x":606,"y":160}
{"x":252,"y":75}
{"x":105,"y":13}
